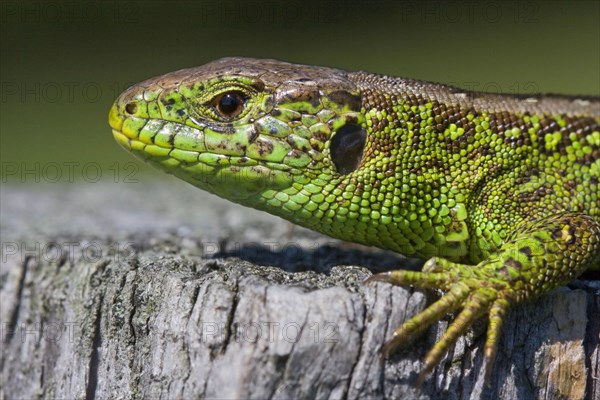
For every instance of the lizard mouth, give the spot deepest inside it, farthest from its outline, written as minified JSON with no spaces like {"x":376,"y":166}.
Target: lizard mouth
{"x":153,"y":152}
{"x":159,"y":140}
{"x":183,"y":151}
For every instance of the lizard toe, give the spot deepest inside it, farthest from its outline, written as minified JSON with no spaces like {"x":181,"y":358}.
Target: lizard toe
{"x":474,"y":295}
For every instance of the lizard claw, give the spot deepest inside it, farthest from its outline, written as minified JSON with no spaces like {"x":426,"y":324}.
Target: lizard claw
{"x":473,"y":294}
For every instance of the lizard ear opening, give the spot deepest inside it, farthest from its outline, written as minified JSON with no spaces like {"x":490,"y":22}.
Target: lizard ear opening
{"x":347,"y":147}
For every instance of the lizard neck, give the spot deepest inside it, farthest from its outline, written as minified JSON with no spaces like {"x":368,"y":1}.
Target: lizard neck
{"x":461,"y":158}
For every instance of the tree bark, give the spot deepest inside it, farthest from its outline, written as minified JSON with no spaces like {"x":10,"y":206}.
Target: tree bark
{"x":139,"y":307}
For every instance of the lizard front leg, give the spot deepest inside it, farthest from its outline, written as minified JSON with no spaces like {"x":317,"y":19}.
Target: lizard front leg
{"x":541,"y":256}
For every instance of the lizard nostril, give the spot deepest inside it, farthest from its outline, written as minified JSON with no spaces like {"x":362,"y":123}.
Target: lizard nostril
{"x":131,"y":108}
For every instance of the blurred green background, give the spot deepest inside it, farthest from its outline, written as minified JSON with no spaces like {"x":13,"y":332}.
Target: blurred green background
{"x":63,"y":63}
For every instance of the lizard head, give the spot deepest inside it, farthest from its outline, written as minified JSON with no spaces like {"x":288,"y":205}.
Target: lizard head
{"x":244,"y":129}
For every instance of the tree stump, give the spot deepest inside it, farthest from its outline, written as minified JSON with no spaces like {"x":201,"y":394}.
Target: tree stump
{"x":163,"y":291}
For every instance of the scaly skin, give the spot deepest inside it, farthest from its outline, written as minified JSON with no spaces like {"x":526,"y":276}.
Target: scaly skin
{"x":499,"y":193}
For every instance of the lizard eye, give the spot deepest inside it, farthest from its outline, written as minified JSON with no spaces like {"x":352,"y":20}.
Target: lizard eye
{"x":230,"y":104}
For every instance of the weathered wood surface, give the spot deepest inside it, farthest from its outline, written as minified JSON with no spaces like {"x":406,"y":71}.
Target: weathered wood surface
{"x":162,"y":291}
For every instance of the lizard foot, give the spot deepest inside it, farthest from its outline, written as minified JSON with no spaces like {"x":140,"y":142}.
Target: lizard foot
{"x":542,"y":255}
{"x":466,"y":287}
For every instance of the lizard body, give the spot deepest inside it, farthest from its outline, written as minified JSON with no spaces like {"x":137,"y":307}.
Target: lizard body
{"x":500,"y":193}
